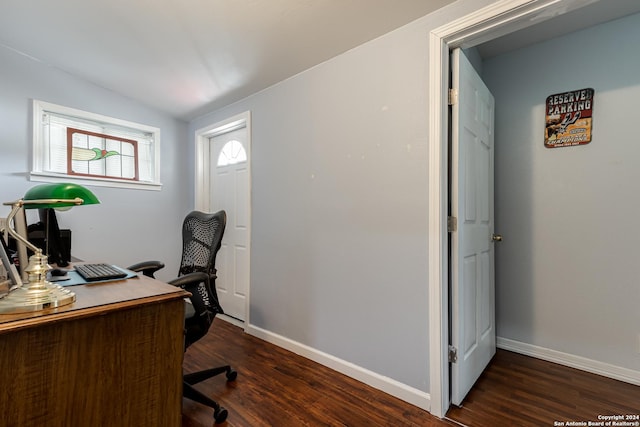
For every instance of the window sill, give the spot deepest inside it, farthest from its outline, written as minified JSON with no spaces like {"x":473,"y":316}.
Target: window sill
{"x":98,"y":182}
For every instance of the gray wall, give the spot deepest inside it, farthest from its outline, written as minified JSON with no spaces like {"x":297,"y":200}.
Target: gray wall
{"x":566,"y":271}
{"x":129,"y":225}
{"x":340,"y":203}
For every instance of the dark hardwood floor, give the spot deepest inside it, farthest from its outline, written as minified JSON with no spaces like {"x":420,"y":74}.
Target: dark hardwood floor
{"x":517,"y":390}
{"x":278,"y":388}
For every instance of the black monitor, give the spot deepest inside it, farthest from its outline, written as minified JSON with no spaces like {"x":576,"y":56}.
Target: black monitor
{"x":46,"y":235}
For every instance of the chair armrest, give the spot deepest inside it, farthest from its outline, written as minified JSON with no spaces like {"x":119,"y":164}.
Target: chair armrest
{"x":189,"y":282}
{"x":148,"y":268}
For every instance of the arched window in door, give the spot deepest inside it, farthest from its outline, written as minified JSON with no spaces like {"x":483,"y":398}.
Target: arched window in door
{"x":232,"y":152}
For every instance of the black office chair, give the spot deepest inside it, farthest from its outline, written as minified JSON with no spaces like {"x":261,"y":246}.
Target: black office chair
{"x":201,"y":239}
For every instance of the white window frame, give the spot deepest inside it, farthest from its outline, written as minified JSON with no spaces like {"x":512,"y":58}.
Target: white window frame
{"x":39,"y":146}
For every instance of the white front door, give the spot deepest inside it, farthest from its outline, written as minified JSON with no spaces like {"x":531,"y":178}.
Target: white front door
{"x":473,"y":335}
{"x":229,"y":186}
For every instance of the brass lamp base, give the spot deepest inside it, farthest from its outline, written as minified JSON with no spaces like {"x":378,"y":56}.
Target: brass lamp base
{"x":38,"y":294}
{"x":26,"y":299}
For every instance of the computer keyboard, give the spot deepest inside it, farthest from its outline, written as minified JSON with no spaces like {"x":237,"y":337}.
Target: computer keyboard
{"x":97,"y":272}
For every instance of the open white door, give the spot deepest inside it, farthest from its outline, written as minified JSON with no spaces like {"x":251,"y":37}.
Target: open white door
{"x":473,"y":337}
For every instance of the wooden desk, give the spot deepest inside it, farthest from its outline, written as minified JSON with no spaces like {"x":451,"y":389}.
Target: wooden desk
{"x":112,"y":358}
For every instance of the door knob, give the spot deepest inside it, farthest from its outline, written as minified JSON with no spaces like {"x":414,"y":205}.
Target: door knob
{"x":496,"y":237}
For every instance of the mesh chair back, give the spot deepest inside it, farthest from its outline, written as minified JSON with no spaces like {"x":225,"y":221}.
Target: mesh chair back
{"x":201,"y":239}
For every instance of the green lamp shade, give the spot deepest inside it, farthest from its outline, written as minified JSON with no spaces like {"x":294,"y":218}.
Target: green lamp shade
{"x":60,"y":196}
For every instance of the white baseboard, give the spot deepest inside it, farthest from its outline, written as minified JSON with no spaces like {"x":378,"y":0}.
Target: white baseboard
{"x":390,"y":386}
{"x":570,"y":360}
{"x":236,"y":322}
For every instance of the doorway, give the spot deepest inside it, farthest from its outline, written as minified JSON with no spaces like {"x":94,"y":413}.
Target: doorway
{"x":223,"y":182}
{"x":496,"y":20}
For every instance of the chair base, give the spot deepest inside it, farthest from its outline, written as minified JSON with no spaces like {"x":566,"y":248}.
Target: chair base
{"x":188,"y":391}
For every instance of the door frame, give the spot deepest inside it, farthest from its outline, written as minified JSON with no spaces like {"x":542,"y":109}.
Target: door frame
{"x":203,"y":169}
{"x":495,"y":20}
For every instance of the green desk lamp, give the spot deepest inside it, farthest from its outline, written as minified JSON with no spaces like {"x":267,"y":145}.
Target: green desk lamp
{"x":38,"y":293}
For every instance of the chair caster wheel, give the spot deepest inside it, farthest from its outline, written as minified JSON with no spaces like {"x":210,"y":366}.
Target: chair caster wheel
{"x":232,"y":375}
{"x":220,"y":415}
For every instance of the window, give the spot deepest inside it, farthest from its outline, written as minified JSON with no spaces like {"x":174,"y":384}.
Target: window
{"x":101,"y":155}
{"x":232,"y":152}
{"x":77,"y":146}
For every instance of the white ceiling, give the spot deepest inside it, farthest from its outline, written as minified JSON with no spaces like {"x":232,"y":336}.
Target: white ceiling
{"x":591,"y":12}
{"x":186,"y":57}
